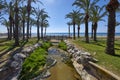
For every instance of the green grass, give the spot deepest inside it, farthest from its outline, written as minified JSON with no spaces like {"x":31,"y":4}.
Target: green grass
{"x":109,"y":62}
{"x":46,"y":45}
{"x":62,"y":45}
{"x":33,"y":65}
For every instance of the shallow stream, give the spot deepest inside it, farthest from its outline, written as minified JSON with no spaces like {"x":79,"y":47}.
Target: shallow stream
{"x":61,"y":71}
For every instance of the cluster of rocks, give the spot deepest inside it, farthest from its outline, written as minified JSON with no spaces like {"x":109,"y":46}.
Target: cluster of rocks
{"x":80,"y":60}
{"x":79,"y":55}
{"x":15,"y":63}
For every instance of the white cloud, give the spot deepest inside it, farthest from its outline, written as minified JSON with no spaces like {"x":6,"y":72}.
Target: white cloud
{"x":49,"y":1}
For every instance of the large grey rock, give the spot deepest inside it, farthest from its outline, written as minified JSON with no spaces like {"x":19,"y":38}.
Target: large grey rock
{"x":37,"y":45}
{"x":86,"y":54}
{"x":28,"y":50}
{"x":14,"y":64}
{"x":18,"y":56}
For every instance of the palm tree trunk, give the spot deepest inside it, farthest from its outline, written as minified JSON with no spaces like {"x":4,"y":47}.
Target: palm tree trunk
{"x":111,"y":33}
{"x":41,"y":32}
{"x":28,"y":26}
{"x":23,"y":30}
{"x":69,"y":31}
{"x":13,"y":25}
{"x":16,"y":27}
{"x":95,"y":31}
{"x":30,"y":31}
{"x":10,"y":36}
{"x":92,"y":30}
{"x":38,"y":32}
{"x":86,"y":31}
{"x":8,"y":30}
{"x":78,"y":31}
{"x":74,"y":31}
{"x":28,"y":17}
{"x":45,"y":32}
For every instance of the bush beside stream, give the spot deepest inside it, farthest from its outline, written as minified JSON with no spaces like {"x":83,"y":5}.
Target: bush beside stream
{"x":34,"y":64}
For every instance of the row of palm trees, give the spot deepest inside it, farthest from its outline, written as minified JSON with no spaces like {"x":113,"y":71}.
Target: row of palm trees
{"x":21,"y":17}
{"x":92,"y":12}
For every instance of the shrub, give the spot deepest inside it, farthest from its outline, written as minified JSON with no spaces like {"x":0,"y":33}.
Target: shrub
{"x":46,"y":45}
{"x":62,"y":45}
{"x":33,"y":65}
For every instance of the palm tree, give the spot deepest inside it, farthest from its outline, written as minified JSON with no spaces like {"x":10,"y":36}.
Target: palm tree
{"x":2,"y":7}
{"x":23,"y":17}
{"x":86,"y":5}
{"x":7,"y":24}
{"x":43,"y":18}
{"x":45,"y":25}
{"x":37,"y":13}
{"x":16,"y":9}
{"x":78,"y":22}
{"x":32,"y":22}
{"x":111,"y":8}
{"x":69,"y":24}
{"x":96,"y":15}
{"x":73,"y":16}
{"x":28,"y":14}
{"x":10,"y":11}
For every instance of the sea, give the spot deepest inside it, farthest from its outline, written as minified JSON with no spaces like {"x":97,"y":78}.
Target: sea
{"x":2,"y":35}
{"x":71,"y":34}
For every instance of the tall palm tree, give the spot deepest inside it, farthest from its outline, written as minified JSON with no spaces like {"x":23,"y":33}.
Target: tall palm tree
{"x":38,"y":13}
{"x":73,"y":16}
{"x":32,"y":22}
{"x":45,"y":25}
{"x":111,"y":8}
{"x":23,"y":17}
{"x":96,"y":15}
{"x":43,"y":18}
{"x":10,"y":11}
{"x":16,"y":9}
{"x":6,"y":24}
{"x":28,"y":14}
{"x":69,"y":24}
{"x":2,"y":7}
{"x":78,"y":22}
{"x":86,"y":5}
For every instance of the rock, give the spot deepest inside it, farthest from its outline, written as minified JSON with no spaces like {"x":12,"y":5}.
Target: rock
{"x":37,"y":45}
{"x":47,"y":74}
{"x":14,"y":64}
{"x":75,"y":49}
{"x":27,"y":50}
{"x":86,"y":54}
{"x":18,"y":56}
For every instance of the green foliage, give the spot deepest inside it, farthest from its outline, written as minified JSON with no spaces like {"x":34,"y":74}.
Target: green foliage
{"x":107,"y":61}
{"x":62,"y":45}
{"x":33,"y":65}
{"x":46,"y":45}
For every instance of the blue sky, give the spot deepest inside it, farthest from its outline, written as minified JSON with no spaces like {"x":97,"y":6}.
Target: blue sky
{"x":57,"y":9}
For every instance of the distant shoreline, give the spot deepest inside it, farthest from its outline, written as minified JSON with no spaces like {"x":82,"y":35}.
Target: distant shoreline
{"x":102,"y":35}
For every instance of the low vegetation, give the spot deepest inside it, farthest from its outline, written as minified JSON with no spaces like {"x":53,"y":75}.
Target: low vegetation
{"x":34,"y":64}
{"x":97,"y":49}
{"x":62,"y":45}
{"x":46,"y":45}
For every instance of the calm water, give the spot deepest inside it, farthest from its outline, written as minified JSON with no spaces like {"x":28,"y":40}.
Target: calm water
{"x":81,"y":34}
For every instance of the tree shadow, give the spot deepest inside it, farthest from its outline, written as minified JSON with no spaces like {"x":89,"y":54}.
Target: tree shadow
{"x":3,"y":40}
{"x":13,"y":47}
{"x":117,"y":55}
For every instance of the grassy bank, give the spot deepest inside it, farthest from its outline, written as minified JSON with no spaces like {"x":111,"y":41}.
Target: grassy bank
{"x":34,"y":64}
{"x":97,"y":49}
